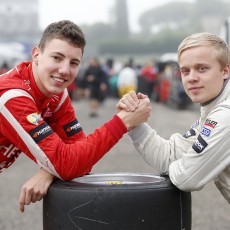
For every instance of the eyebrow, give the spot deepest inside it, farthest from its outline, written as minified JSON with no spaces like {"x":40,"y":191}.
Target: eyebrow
{"x":74,"y":59}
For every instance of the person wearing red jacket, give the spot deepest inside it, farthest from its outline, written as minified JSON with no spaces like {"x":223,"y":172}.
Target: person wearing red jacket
{"x":149,"y":78}
{"x":38,"y":119}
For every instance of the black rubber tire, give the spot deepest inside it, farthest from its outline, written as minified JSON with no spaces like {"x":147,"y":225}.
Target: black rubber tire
{"x":82,"y":206}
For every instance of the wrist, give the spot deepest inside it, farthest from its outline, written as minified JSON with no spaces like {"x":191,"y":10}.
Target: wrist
{"x":46,"y":174}
{"x":123,"y":115}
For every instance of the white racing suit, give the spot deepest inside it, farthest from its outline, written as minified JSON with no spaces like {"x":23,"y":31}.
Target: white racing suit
{"x":197,"y":157}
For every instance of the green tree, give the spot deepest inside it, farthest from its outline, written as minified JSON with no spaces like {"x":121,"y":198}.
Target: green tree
{"x":162,"y":28}
{"x":179,"y":15}
{"x":171,"y":14}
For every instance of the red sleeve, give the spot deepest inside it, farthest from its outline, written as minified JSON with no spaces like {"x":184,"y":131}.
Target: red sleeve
{"x":39,"y":141}
{"x":86,"y":152}
{"x":65,"y":124}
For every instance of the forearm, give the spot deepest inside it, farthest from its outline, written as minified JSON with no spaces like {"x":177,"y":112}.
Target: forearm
{"x":68,"y":161}
{"x":155,"y":150}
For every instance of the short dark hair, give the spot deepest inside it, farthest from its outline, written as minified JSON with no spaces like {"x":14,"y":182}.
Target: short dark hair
{"x":64,"y":30}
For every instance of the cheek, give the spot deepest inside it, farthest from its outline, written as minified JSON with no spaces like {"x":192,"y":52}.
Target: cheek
{"x":185,"y":83}
{"x":42,"y":71}
{"x":74,"y":73}
{"x":214,"y":86}
{"x":183,"y":80}
{"x":218,"y":85}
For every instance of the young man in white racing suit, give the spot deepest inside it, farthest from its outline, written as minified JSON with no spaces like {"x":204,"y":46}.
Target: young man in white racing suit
{"x":203,"y":153}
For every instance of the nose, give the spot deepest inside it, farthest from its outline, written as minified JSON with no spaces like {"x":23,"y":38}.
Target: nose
{"x":193,"y":76}
{"x":64,"y":68}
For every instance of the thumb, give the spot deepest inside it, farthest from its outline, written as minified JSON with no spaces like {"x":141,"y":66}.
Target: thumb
{"x":141,"y":96}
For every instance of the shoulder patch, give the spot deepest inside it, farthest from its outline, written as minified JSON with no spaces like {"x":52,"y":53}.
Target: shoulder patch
{"x":210,"y":123}
{"x":72,"y":128}
{"x":195,"y":124}
{"x":205,"y":131}
{"x":190,"y":133}
{"x":199,"y":145}
{"x":41,"y":132}
{"x":34,"y":118}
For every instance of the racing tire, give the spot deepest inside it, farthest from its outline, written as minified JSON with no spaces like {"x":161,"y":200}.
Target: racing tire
{"x":116,"y":202}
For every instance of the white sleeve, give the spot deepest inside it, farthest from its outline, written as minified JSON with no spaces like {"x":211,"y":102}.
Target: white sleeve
{"x":207,"y":157}
{"x":155,"y":150}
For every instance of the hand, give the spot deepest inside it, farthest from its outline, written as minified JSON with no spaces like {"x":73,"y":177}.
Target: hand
{"x":140,"y":115}
{"x":35,"y":188}
{"x":130,"y":101}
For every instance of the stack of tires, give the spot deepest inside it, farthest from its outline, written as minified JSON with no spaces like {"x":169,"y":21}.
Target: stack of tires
{"x":117,"y":202}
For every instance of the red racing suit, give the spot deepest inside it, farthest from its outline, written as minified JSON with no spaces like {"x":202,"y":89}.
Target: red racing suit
{"x":47,"y":130}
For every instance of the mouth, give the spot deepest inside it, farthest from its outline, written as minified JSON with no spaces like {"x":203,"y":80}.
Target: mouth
{"x":194,"y":89}
{"x":58,"y":79}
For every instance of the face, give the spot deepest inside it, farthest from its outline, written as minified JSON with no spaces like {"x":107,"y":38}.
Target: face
{"x":201,"y":73}
{"x":56,"y":67}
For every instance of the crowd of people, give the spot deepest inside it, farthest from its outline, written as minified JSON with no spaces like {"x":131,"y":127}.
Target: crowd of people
{"x":98,"y":80}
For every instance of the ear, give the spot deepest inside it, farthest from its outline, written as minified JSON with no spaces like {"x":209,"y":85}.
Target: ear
{"x":226,"y":71}
{"x":35,"y":53}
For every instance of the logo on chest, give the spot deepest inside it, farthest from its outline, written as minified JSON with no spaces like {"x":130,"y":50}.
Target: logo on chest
{"x":48,"y":112}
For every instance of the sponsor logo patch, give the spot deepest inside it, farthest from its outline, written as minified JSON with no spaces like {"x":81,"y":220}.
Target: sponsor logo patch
{"x":34,"y":118}
{"x":205,"y":131}
{"x":41,"y":132}
{"x":72,"y":128}
{"x":210,"y":123}
{"x":190,"y":133}
{"x":199,"y":145}
{"x":195,"y":124}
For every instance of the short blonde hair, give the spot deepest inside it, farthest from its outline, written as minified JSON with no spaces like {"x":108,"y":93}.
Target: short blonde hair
{"x":207,"y":39}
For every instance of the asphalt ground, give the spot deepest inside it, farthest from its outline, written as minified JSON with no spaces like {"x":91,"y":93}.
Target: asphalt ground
{"x":210,"y":211}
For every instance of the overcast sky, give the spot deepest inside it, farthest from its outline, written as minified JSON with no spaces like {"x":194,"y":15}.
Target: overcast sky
{"x":92,"y":11}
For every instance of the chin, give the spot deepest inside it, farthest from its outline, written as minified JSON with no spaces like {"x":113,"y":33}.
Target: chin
{"x":196,"y":100}
{"x":55,"y":91}
{"x":199,"y":101}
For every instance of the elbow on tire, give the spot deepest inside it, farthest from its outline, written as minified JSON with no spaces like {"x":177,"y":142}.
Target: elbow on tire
{"x":188,"y":186}
{"x":67,"y":176}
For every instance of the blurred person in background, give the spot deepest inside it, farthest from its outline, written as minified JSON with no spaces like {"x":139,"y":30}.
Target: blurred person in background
{"x":110,"y":68}
{"x":96,"y":82}
{"x":79,"y":80}
{"x":71,"y":90}
{"x":127,"y":79}
{"x":4,"y":68}
{"x":202,"y":154}
{"x":38,"y":119}
{"x":148,"y":76}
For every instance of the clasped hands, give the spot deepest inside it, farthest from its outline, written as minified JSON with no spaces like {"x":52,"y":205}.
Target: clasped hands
{"x":136,"y":107}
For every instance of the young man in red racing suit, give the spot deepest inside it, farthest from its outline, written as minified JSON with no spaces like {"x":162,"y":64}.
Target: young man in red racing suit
{"x":38,"y":119}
